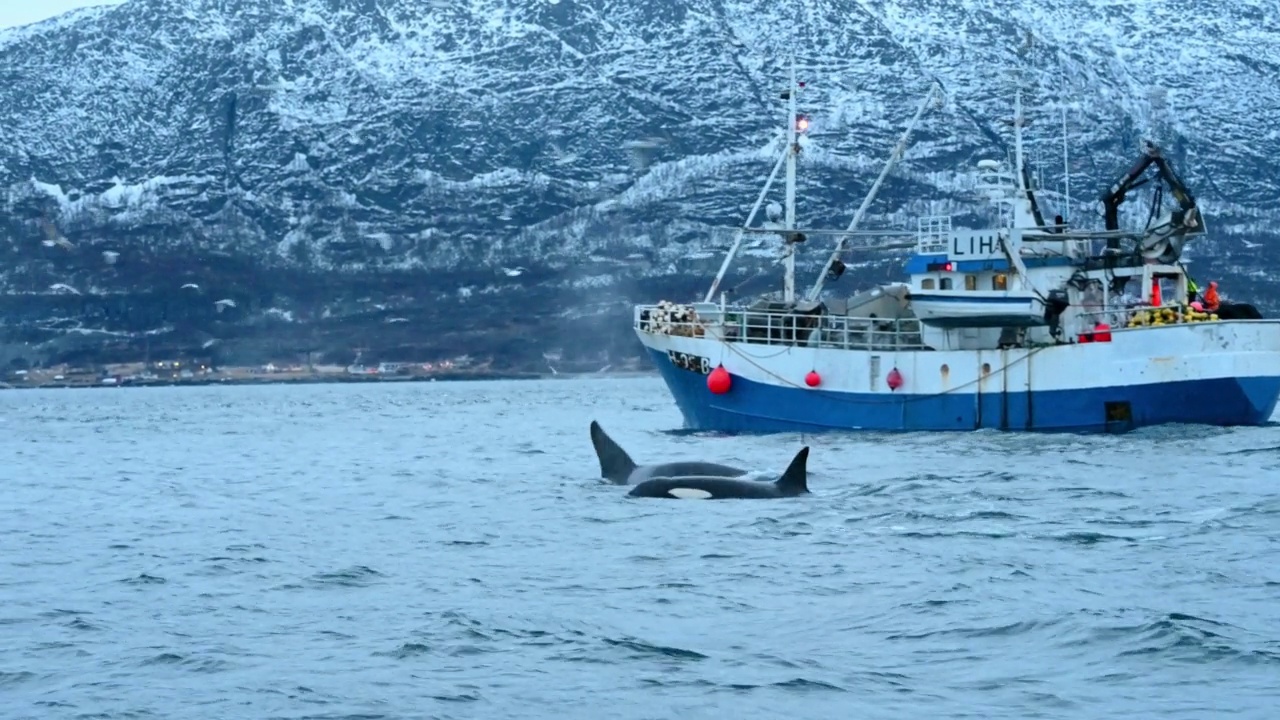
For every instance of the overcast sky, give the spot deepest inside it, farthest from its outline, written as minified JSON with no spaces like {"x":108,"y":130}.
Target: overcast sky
{"x":22,"y":12}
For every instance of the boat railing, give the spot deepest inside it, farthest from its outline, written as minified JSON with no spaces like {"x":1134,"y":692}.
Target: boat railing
{"x":1135,"y":317}
{"x":933,"y":233}
{"x":769,"y":328}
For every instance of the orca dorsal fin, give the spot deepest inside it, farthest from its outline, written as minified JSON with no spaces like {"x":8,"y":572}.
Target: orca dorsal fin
{"x":795,"y":480}
{"x":615,"y":464}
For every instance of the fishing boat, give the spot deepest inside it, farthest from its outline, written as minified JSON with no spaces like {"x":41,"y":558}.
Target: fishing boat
{"x":1025,"y":324}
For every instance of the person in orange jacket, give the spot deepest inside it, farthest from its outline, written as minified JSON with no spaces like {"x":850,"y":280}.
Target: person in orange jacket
{"x":1211,"y":297}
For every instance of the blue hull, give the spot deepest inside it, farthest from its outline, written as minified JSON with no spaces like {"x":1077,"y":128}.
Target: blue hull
{"x":755,"y":407}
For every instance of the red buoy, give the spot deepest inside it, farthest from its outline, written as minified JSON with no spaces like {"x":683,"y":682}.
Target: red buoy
{"x":813,"y":379}
{"x":719,"y":381}
{"x":894,"y":379}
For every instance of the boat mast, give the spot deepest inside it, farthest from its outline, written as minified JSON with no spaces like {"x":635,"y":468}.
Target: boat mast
{"x":737,"y":240}
{"x":1066,"y":170}
{"x":787,"y":157}
{"x":1023,"y":209}
{"x":1025,"y":214}
{"x":1017,"y":141}
{"x":789,"y":278}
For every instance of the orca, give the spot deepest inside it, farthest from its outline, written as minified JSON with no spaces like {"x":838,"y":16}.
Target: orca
{"x":792,"y":483}
{"x":617,"y":467}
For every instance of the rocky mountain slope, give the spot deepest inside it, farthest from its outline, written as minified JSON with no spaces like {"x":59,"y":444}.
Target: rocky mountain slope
{"x":505,"y":177}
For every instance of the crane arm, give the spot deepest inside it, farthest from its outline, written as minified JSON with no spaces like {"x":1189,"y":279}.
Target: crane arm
{"x":1115,"y":195}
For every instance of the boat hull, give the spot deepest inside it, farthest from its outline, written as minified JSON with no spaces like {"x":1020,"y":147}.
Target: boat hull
{"x":1143,"y":377}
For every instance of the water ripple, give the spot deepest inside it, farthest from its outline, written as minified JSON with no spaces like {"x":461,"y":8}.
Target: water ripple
{"x":447,"y":550}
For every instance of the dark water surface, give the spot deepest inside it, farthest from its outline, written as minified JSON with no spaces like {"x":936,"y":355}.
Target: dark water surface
{"x":446,"y":550}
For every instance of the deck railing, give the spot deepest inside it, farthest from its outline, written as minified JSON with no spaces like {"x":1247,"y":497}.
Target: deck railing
{"x":933,"y":234}
{"x":766,"y":328}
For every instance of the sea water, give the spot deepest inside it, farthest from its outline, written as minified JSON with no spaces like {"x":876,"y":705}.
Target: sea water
{"x":447,"y":550}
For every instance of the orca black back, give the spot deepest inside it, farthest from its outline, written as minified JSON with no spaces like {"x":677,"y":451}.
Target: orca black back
{"x":793,"y":482}
{"x":617,"y":467}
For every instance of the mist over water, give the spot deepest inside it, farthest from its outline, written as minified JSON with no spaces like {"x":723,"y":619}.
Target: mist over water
{"x":446,"y":550}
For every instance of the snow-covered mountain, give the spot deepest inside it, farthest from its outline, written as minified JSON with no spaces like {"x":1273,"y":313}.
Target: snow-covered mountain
{"x":332,"y":165}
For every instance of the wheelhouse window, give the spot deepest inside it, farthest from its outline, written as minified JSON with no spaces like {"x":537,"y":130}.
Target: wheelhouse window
{"x":926,"y":284}
{"x":944,"y":283}
{"x":999,"y":281}
{"x":970,"y":282}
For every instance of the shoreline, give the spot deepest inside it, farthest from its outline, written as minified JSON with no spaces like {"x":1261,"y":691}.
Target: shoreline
{"x":242,"y":376}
